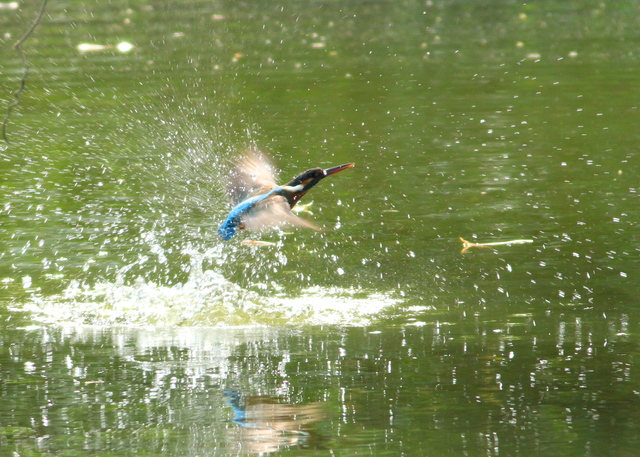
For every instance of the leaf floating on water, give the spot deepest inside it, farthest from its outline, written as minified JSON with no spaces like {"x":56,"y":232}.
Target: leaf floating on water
{"x":87,"y":47}
{"x":467,"y":244}
{"x":90,"y":47}
{"x":257,"y":243}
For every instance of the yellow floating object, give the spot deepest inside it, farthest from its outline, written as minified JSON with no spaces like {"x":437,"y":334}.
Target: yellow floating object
{"x":257,"y":243}
{"x":91,"y":47}
{"x":467,"y":244}
{"x":88,"y":47}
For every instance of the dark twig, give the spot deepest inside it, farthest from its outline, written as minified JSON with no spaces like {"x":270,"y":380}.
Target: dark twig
{"x":23,"y":81}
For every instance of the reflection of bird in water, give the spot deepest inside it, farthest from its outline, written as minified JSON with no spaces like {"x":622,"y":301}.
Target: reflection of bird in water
{"x":268,"y":426}
{"x":260,"y":202}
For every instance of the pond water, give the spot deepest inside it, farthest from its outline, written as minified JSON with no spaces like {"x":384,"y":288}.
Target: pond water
{"x":128,"y":327}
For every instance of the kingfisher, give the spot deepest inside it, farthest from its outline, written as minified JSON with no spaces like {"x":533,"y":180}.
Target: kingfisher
{"x":260,"y":202}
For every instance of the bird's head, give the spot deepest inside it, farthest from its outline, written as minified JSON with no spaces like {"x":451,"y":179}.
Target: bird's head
{"x":310,"y":178}
{"x":306,"y":180}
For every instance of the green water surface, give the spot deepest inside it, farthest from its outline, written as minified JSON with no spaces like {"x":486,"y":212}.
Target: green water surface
{"x":128,"y":327}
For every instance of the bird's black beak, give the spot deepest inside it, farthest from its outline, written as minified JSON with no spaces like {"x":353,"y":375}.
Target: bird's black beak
{"x":334,"y":170}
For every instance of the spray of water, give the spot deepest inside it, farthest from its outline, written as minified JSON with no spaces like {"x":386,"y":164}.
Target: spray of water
{"x":166,"y":265}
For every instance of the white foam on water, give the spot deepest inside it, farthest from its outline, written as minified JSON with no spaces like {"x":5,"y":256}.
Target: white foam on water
{"x":206,"y":299}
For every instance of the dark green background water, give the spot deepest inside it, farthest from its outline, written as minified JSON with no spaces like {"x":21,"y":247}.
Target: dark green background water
{"x":130,"y":328}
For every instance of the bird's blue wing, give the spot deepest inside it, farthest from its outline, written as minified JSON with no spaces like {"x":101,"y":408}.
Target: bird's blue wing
{"x":258,"y":204}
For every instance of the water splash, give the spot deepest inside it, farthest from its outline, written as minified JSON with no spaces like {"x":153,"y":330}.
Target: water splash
{"x":140,"y":246}
{"x":206,"y":299}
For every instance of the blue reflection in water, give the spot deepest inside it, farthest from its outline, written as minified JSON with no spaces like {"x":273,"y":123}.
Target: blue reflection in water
{"x":267,"y":425}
